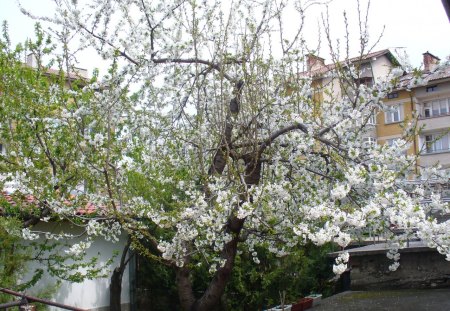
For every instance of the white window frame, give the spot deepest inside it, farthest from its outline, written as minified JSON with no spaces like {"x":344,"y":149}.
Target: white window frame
{"x":372,"y":119}
{"x":435,"y":143}
{"x":436,"y":108}
{"x":391,"y":141}
{"x":369,"y":142}
{"x":394,"y":114}
{"x":427,"y":110}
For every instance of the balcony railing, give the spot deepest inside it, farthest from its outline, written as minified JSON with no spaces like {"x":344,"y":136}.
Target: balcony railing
{"x":435,"y":150}
{"x":424,"y":117}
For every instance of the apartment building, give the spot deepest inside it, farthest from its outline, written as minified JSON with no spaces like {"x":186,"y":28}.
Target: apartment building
{"x":423,"y":97}
{"x":372,"y":67}
{"x":426,"y":97}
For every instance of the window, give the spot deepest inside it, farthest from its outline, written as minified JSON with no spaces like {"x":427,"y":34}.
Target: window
{"x":398,"y":144}
{"x":391,"y":142}
{"x":431,"y":88}
{"x":370,"y":120}
{"x":427,"y":110}
{"x":435,"y":108}
{"x":393,"y":95}
{"x":394,"y":114}
{"x":365,"y":70}
{"x":367,"y":81}
{"x":369,"y":142}
{"x":436,"y":142}
{"x":2,"y":149}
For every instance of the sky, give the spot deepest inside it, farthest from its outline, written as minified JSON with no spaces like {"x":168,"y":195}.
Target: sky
{"x":411,"y":26}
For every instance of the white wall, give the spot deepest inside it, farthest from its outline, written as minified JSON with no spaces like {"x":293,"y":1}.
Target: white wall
{"x":90,"y":294}
{"x":381,"y":66}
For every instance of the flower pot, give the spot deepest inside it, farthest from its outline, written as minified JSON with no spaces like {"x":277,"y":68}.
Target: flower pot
{"x":302,"y":304}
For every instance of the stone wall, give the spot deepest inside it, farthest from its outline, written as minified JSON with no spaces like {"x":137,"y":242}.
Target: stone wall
{"x":425,"y":269}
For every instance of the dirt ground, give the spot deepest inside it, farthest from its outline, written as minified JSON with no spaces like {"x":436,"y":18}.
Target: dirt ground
{"x":398,"y":300}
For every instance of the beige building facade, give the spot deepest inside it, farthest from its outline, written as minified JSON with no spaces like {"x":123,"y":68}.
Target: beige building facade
{"x":421,"y":100}
{"x":429,"y":102}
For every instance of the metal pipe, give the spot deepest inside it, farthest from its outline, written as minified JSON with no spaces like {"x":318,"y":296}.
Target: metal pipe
{"x":44,"y":301}
{"x":12,"y":304}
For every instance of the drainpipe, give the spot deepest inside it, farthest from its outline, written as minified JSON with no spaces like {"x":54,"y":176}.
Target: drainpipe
{"x":35,"y":299}
{"x":412,"y":100}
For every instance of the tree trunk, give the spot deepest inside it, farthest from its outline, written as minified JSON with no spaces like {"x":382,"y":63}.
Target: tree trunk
{"x":115,"y":288}
{"x":213,"y":294}
{"x":184,"y":286}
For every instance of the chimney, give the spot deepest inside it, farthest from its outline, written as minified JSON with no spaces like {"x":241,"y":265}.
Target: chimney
{"x":314,"y":62}
{"x":32,"y":60}
{"x":429,"y":61}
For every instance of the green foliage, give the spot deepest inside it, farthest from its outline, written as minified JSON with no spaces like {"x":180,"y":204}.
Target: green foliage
{"x":298,"y":274}
{"x":252,"y":286}
{"x":156,"y":286}
{"x":14,"y":257}
{"x":42,"y":145}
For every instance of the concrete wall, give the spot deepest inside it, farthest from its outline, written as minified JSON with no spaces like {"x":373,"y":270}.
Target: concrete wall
{"x":426,"y":269}
{"x":391,"y":129}
{"x":438,"y":124}
{"x":441,"y":123}
{"x":90,"y":294}
{"x":381,"y":66}
{"x":331,"y":89}
{"x":442,"y":91}
{"x":443,"y":158}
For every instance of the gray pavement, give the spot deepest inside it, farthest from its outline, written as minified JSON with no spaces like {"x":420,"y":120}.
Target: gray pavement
{"x":397,"y":300}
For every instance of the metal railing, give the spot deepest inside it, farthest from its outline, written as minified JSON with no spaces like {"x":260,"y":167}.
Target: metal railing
{"x":26,"y":299}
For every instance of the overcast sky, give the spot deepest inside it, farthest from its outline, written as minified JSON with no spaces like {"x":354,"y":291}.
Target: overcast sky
{"x":415,"y":25}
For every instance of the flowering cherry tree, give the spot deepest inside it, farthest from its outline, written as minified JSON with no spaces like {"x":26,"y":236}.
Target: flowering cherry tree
{"x":207,"y":139}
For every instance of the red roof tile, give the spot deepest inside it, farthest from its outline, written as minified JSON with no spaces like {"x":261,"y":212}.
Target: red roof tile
{"x":30,"y":200}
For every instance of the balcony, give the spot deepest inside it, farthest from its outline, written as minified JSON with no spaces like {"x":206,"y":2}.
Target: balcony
{"x":441,"y":156}
{"x":435,"y":114}
{"x":434,"y":122}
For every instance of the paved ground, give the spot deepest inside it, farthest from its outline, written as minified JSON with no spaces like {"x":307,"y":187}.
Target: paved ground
{"x":401,"y":300}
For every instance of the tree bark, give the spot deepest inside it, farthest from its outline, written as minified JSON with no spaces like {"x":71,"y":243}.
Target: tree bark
{"x":115,"y":288}
{"x":212,"y":296}
{"x":184,"y":286}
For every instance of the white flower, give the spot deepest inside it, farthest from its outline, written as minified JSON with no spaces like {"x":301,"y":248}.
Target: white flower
{"x":98,"y":140}
{"x":355,"y":176}
{"x":396,"y":72}
{"x":394,"y":266}
{"x":340,"y":191}
{"x":28,"y":235}
{"x":353,"y":153}
{"x":343,"y":239}
{"x":339,"y":269}
{"x":79,"y":248}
